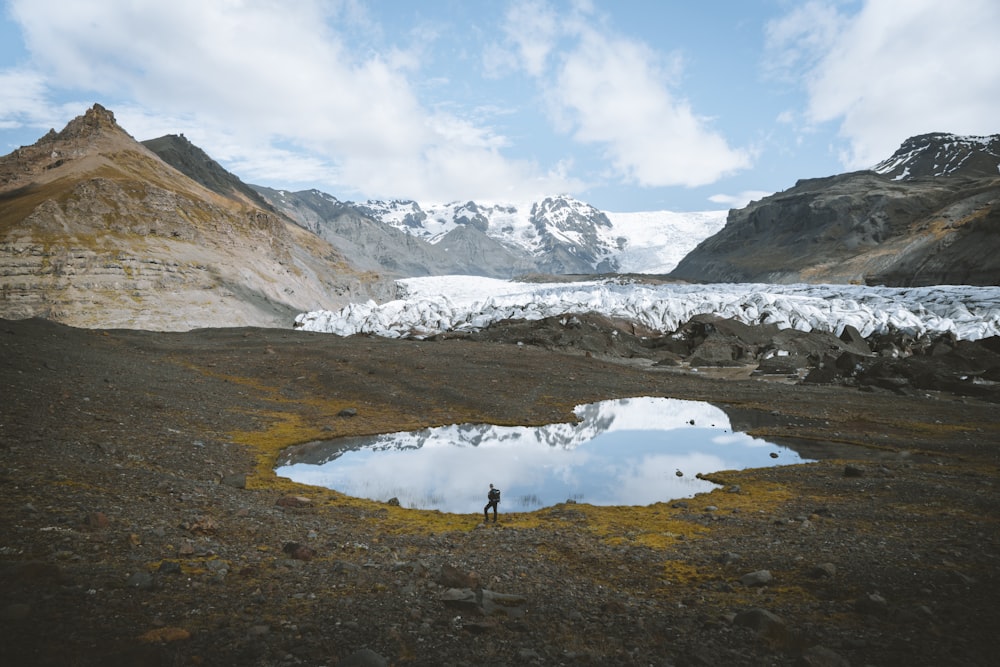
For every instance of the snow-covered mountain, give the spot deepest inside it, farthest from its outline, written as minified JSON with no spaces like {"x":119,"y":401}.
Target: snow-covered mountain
{"x":557,"y":235}
{"x":942,"y":154}
{"x":641,"y":242}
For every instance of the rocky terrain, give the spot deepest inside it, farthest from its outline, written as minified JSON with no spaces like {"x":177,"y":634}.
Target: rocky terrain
{"x":142,"y":524}
{"x":928,"y":215}
{"x":96,"y":230}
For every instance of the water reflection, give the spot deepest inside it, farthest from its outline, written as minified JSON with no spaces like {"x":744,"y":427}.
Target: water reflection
{"x":622,"y":452}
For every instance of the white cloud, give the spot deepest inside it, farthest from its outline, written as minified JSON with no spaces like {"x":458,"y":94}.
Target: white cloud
{"x":740,"y":199}
{"x":894,"y":70}
{"x":533,"y":28}
{"x":262,"y":81}
{"x":617,"y":93}
{"x":26,"y":102}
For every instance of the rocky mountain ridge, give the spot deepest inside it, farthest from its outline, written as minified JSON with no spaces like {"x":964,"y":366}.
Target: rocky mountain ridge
{"x":557,"y":235}
{"x":97,"y":231}
{"x":930,"y":214}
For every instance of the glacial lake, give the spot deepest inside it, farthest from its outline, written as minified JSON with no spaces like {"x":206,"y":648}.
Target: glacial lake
{"x":634,"y":451}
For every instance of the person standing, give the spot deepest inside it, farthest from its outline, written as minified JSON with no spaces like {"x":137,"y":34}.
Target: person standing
{"x":492,"y":500}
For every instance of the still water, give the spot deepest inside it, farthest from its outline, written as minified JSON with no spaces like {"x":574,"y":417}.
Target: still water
{"x":634,"y":451}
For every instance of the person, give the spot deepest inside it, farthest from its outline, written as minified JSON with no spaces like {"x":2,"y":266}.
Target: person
{"x":492,"y":500}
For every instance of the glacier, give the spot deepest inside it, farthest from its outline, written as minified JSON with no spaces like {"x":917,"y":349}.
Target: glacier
{"x":432,"y":305}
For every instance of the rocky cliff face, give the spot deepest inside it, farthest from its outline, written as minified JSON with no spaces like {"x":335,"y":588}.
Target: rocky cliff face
{"x":928,"y":215}
{"x":97,"y":231}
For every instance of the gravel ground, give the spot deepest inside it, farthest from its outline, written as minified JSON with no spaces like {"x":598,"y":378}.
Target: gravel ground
{"x":142,"y":524}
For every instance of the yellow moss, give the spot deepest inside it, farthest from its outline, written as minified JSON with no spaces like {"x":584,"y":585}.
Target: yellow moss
{"x":655,"y":526}
{"x":676,"y":572}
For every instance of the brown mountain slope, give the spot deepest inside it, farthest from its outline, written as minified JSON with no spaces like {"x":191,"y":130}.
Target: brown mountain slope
{"x":97,"y":231}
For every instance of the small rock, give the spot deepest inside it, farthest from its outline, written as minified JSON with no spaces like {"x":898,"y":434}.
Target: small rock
{"x":237,"y":481}
{"x":711,"y":508}
{"x":484,"y":602}
{"x":97,"y":521}
{"x":823,"y":570}
{"x":169,"y":567}
{"x":758,"y":578}
{"x":348,"y":412}
{"x":761,"y":621}
{"x":453,"y":577}
{"x":203,"y":525}
{"x":393,"y":501}
{"x":299,"y":551}
{"x":872,"y":604}
{"x":141,"y":580}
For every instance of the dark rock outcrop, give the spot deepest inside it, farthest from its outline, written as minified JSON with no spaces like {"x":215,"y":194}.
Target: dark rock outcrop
{"x":929,"y":215}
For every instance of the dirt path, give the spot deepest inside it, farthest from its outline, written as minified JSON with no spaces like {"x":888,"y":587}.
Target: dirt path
{"x":141,"y":524}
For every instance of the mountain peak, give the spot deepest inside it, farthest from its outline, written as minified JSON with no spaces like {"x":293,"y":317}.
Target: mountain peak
{"x":942,"y":154}
{"x":84,"y":135}
{"x":96,"y":121}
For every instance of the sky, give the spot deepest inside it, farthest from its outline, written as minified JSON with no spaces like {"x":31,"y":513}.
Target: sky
{"x":627,"y":105}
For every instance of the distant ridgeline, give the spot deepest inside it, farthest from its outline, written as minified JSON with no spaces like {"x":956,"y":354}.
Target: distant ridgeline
{"x":99,"y":230}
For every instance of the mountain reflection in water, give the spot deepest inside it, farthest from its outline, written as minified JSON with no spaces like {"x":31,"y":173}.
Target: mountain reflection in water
{"x":621,"y":452}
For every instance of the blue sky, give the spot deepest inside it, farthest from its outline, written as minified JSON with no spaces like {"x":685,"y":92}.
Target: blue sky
{"x":627,"y":105}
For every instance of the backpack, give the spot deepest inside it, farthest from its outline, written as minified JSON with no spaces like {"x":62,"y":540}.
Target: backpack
{"x":495,"y":494}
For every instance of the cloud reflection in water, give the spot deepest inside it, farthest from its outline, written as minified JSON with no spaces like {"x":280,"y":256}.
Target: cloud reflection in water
{"x":621,"y":452}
